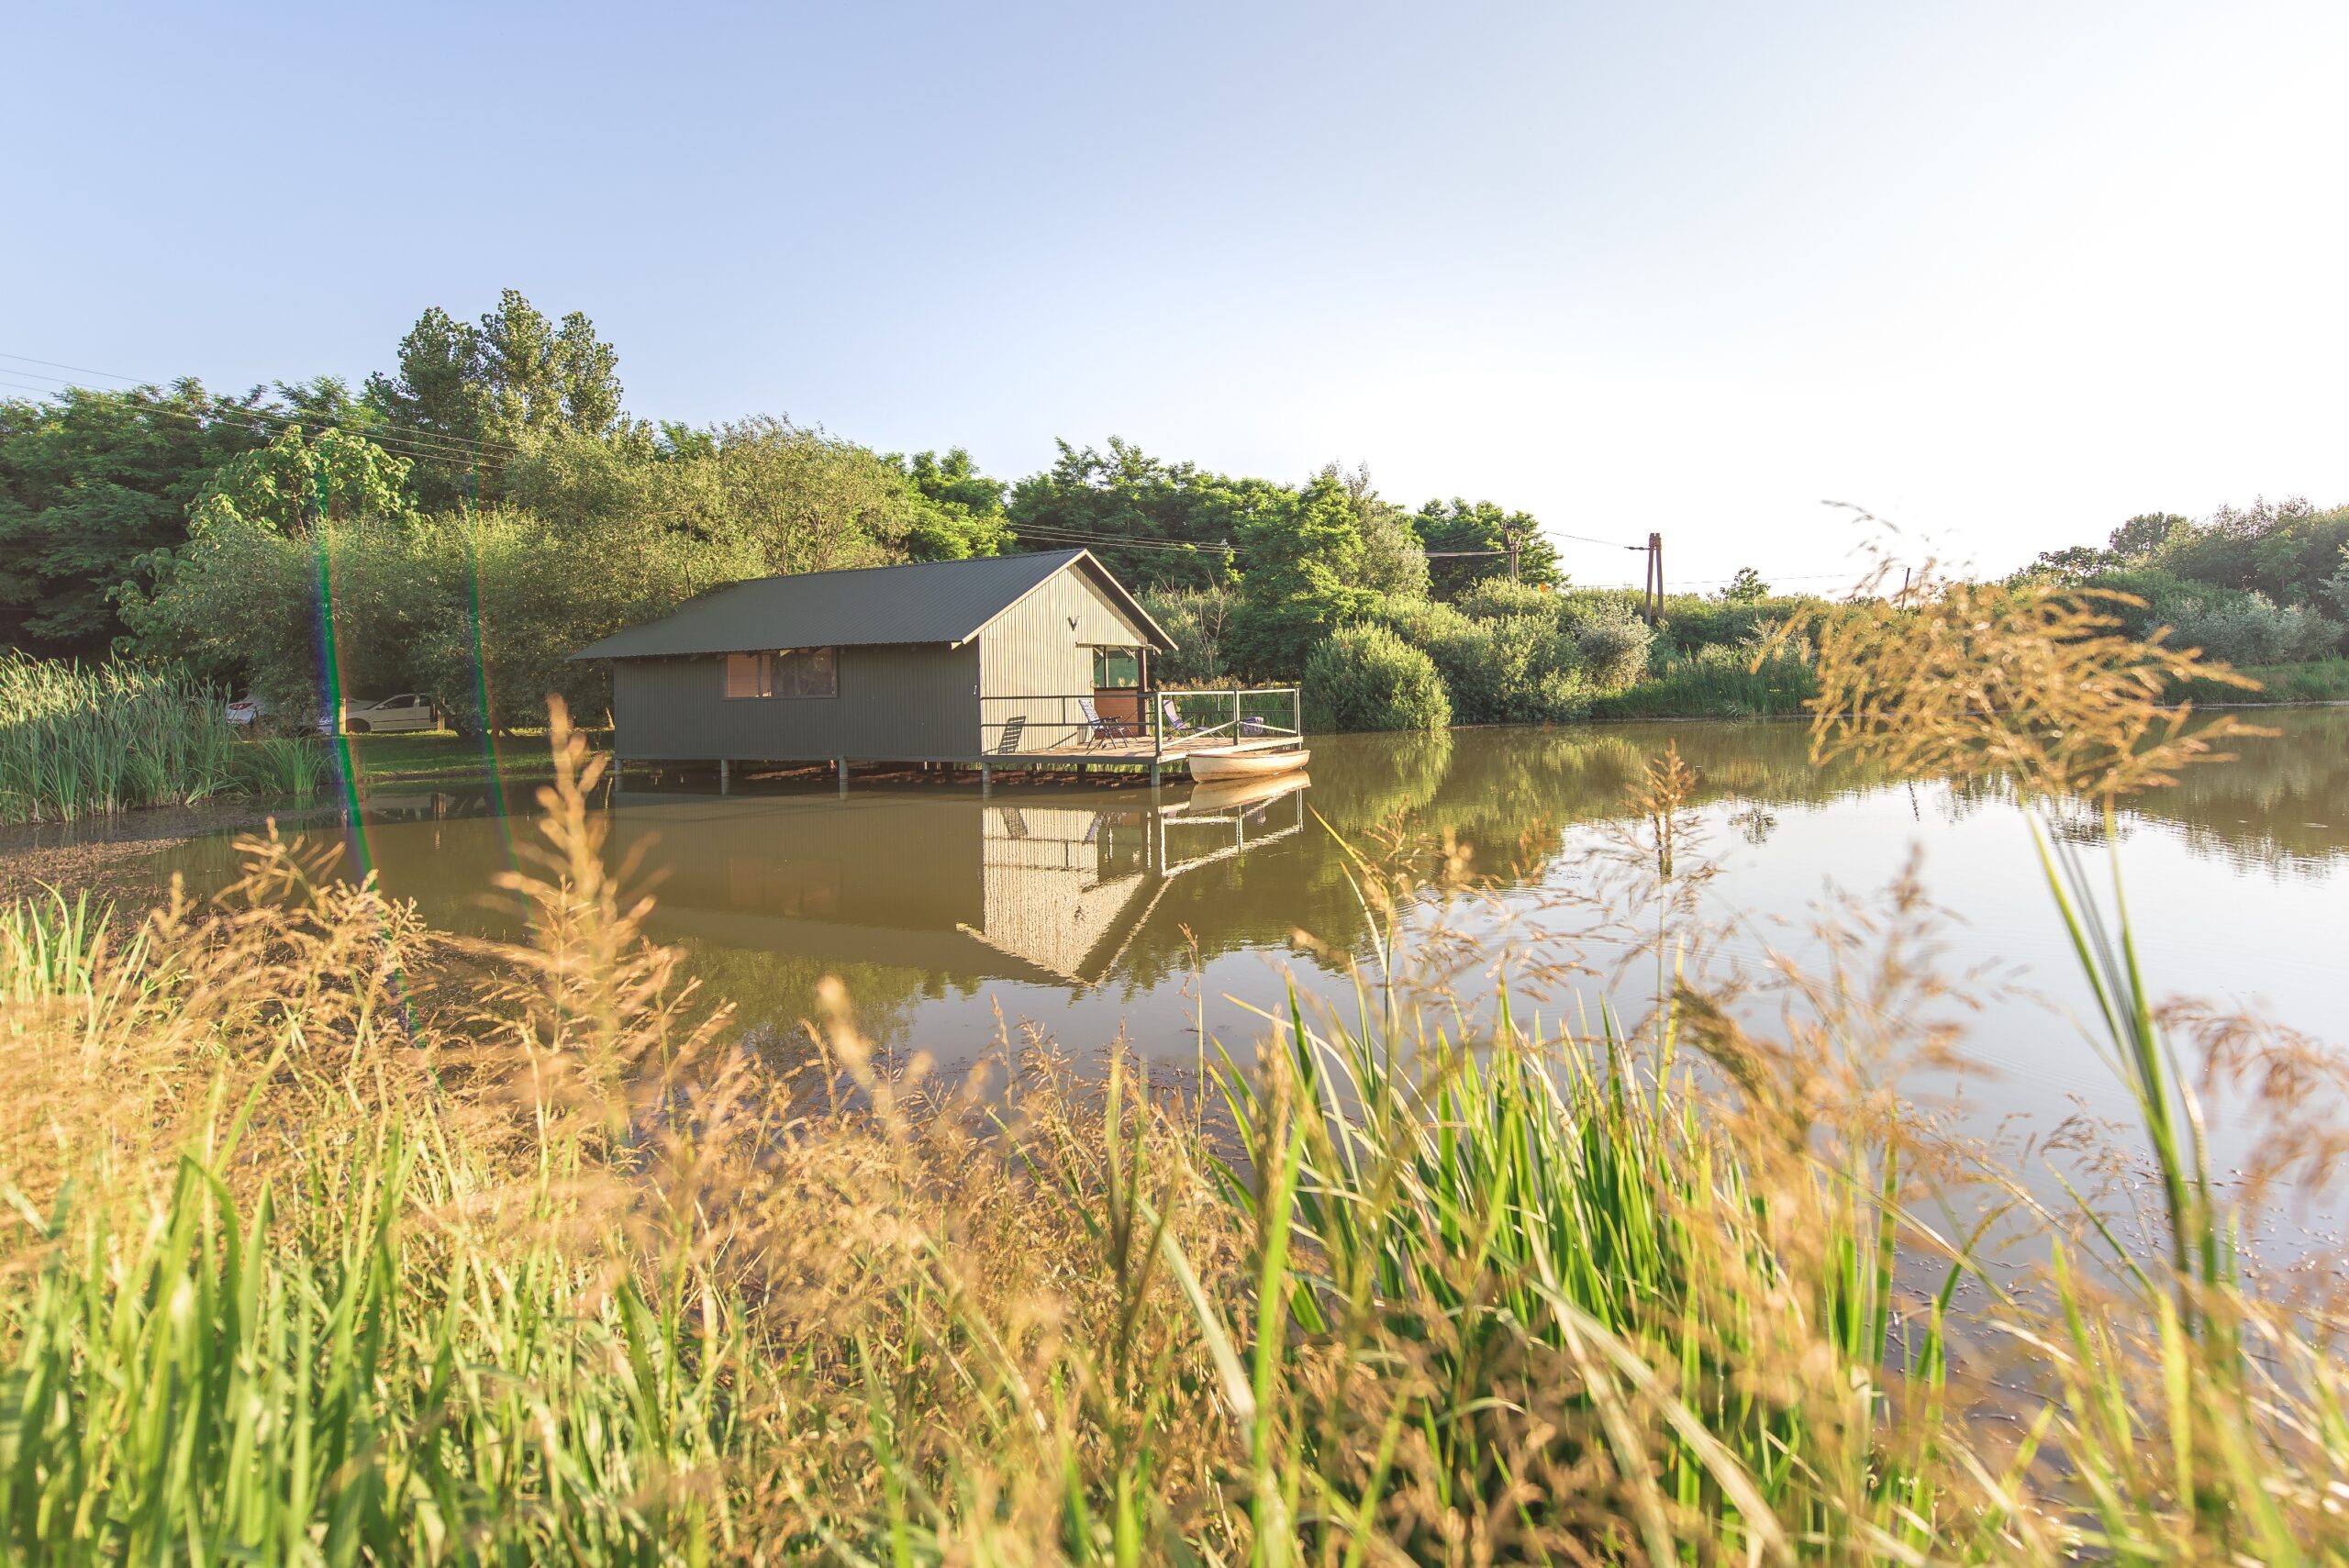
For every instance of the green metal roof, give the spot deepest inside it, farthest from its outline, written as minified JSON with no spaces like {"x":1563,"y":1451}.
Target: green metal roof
{"x":930,"y":601}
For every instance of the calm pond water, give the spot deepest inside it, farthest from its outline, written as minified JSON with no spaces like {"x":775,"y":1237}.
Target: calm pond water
{"x":1085,"y":912}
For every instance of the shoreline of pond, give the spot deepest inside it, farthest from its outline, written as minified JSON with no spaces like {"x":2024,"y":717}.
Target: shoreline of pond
{"x":104,"y":855}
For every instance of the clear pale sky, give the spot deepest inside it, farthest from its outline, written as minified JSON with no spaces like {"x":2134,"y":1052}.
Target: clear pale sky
{"x":2005,"y":273}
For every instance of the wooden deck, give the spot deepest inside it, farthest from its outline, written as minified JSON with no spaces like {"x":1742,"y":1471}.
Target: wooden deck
{"x":1137,"y":750}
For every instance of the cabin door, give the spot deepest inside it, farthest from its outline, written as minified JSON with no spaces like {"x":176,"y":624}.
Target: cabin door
{"x":1117,"y":684}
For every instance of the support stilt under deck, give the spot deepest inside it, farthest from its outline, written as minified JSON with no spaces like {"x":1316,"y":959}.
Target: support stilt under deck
{"x":723,"y":776}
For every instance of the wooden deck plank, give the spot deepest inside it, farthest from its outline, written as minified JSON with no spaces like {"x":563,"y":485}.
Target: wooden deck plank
{"x":1136,"y":751}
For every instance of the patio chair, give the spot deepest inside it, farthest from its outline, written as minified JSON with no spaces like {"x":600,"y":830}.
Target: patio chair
{"x":1013,"y":730}
{"x":1098,"y":728}
{"x":1176,"y":726}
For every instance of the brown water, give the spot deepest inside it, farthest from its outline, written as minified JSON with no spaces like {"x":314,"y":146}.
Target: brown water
{"x":1086,"y":912}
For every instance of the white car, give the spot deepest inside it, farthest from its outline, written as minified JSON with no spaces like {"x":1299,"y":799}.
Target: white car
{"x":409,"y":710}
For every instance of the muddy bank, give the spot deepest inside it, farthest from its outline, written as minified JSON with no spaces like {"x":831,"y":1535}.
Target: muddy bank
{"x":113,"y":856}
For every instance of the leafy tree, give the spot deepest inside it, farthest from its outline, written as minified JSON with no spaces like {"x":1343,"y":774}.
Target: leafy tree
{"x":1462,"y":525}
{"x":2287,"y":552}
{"x":1745,"y":588}
{"x":1393,"y":562}
{"x":801,"y":500}
{"x":92,"y":482}
{"x":1304,"y":566}
{"x":1197,"y":618}
{"x":2285,"y":549}
{"x":962,"y":512}
{"x":1182,"y":521}
{"x":595,"y":484}
{"x":2145,"y":533}
{"x":2072,"y":563}
{"x":761,"y":497}
{"x":480,"y":609}
{"x":955,"y":481}
{"x":465,"y":396}
{"x":289,"y":485}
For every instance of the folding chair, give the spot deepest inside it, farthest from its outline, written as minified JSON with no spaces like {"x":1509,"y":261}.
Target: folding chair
{"x":1098,"y":728}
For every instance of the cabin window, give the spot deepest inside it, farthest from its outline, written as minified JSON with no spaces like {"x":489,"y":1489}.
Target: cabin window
{"x":1116,"y":670}
{"x":786,"y":673}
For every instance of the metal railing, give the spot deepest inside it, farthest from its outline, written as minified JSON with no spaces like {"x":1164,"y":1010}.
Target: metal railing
{"x":1140,"y":724}
{"x":1185,"y":720}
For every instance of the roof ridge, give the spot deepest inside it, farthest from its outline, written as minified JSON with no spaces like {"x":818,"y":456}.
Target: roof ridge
{"x":947,"y":607}
{"x":904,"y":565}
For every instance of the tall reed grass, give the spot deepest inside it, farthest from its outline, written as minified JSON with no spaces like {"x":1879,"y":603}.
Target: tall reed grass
{"x":87,"y":741}
{"x":332,"y":1243}
{"x":1715,"y":681}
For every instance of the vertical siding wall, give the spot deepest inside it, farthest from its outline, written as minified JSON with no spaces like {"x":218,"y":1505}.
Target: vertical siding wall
{"x":1032,"y":651}
{"x":904,"y":702}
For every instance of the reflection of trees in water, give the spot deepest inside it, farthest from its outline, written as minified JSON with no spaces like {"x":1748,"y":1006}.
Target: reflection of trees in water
{"x":1508,"y":796}
{"x":2282,"y":805}
{"x":1511,"y":794}
{"x":1363,"y":779}
{"x":773,"y":992}
{"x":1494,"y":803}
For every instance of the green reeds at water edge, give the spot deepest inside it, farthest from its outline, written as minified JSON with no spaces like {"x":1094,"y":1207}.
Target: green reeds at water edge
{"x":87,"y":741}
{"x":284,"y":766}
{"x":1715,"y":683}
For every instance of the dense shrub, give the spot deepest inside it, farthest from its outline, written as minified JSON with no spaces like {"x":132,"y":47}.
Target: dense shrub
{"x":1611,"y":641}
{"x":2248,"y":627}
{"x":1422,"y":623}
{"x":1517,"y":670}
{"x":1614,"y":642}
{"x":2239,"y":625}
{"x":1364,"y":677}
{"x":1495,"y":598}
{"x":1691,"y":621}
{"x":1514,"y":653}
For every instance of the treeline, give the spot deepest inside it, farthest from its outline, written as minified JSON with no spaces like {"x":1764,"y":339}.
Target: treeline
{"x":462,"y":522}
{"x":2265,"y":585}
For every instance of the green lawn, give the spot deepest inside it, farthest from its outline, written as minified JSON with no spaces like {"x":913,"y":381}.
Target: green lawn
{"x":442,"y":754}
{"x":2319,"y":680}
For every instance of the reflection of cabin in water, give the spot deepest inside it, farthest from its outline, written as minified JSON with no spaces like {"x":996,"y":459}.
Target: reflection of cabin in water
{"x":1051,"y":893}
{"x":938,"y":661}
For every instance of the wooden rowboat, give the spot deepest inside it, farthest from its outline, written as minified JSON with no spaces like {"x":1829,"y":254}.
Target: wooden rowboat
{"x":1233,"y":762}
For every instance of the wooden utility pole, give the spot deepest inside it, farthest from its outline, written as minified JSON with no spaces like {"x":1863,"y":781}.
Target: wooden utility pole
{"x":1652,"y":586}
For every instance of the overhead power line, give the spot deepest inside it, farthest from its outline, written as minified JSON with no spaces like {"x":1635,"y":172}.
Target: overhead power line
{"x":1118,"y":543}
{"x":424,"y":443}
{"x":420,"y":446}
